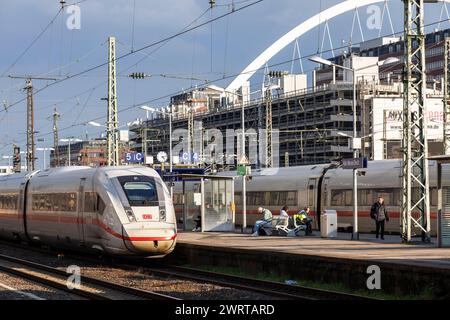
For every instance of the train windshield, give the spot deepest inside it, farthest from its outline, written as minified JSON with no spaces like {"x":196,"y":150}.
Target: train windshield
{"x":140,"y":190}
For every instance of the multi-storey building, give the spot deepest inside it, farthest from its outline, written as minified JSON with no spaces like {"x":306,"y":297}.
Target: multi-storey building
{"x":90,"y":153}
{"x":387,"y":47}
{"x":315,"y":123}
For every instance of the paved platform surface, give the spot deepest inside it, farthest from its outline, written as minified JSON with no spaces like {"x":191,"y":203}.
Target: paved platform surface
{"x":390,"y":250}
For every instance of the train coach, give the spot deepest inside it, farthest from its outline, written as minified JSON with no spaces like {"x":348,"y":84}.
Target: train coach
{"x":324,"y":186}
{"x":116,"y":210}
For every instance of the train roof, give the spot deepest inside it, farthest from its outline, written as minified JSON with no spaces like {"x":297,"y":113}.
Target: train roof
{"x":79,"y":171}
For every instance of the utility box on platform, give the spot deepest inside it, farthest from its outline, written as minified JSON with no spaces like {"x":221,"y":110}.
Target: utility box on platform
{"x":328,"y":224}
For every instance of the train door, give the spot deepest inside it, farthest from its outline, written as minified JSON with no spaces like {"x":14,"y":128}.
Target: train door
{"x":81,"y":209}
{"x":311,"y":200}
{"x":23,"y":208}
{"x":325,"y":194}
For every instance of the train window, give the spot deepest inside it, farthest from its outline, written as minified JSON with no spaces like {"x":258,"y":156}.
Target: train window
{"x":238,"y":198}
{"x":392,"y":197}
{"x":397,"y":197}
{"x":266,"y":200}
{"x":90,"y":201}
{"x":365,"y":197}
{"x":140,"y":190}
{"x":8,"y":201}
{"x":35,"y":203}
{"x":253,"y":198}
{"x":93,"y":202}
{"x":282,"y":198}
{"x":348,"y":197}
{"x":100,"y":205}
{"x":66,"y":202}
{"x":274,"y":198}
{"x":291,"y":198}
{"x":336,"y":197}
{"x":56,"y":202}
{"x":42,"y":203}
{"x":341,"y":197}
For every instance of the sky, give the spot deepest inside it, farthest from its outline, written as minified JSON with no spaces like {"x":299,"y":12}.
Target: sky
{"x":215,"y":51}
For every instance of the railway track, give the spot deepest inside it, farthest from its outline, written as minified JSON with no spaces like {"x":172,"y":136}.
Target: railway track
{"x":270,"y":288}
{"x":90,"y":288}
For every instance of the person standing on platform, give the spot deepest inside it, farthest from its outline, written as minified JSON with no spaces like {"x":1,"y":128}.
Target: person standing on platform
{"x":379,"y":213}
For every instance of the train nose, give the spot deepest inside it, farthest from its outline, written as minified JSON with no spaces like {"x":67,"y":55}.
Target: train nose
{"x":149,"y":241}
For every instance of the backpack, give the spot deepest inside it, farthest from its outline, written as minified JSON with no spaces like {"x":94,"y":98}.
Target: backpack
{"x":373,"y":211}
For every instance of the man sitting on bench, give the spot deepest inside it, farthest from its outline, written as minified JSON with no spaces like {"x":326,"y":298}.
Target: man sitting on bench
{"x":301,"y":218}
{"x":266,"y":220}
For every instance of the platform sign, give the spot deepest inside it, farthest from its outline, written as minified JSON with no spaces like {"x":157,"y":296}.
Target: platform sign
{"x":354,"y":163}
{"x":134,"y":157}
{"x":186,"y":157}
{"x":243,"y":170}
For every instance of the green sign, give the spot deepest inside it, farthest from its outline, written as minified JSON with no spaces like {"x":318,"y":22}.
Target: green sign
{"x":241,"y":170}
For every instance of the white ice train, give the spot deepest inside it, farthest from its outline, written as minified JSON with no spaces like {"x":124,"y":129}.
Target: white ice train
{"x":117,"y":210}
{"x":324,"y":187}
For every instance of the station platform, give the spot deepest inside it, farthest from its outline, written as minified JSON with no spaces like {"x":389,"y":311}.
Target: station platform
{"x":405,"y":268}
{"x":367,"y":248}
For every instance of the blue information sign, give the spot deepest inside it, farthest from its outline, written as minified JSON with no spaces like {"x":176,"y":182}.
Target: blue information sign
{"x":185,"y":157}
{"x":354,"y":163}
{"x":134,"y":157}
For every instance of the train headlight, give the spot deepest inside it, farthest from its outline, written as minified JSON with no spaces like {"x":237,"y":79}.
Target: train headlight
{"x":130,"y":214}
{"x":162,"y":215}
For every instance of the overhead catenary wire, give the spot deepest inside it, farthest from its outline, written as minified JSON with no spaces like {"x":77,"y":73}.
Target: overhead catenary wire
{"x":147,"y":55}
{"x":212,"y":81}
{"x":133,"y":25}
{"x":305,"y":57}
{"x":181,"y":91}
{"x":164,"y":97}
{"x":140,"y":49}
{"x":230,"y":76}
{"x":56,"y":69}
{"x":24,"y":52}
{"x":122,"y":73}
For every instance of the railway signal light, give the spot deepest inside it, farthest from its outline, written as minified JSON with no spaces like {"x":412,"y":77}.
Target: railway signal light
{"x":17,"y":159}
{"x":137,"y":75}
{"x":277,"y":74}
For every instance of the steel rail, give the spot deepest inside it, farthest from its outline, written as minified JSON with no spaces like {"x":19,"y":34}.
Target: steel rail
{"x":272,"y":288}
{"x":138,"y":293}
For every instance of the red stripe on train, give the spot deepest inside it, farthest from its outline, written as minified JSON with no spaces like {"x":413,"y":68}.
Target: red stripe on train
{"x":340,"y":213}
{"x":95,"y":222}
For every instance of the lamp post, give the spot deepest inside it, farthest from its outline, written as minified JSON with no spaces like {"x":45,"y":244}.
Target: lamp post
{"x":244,"y":177}
{"x":70,"y":140}
{"x":355,"y":140}
{"x":43,"y":151}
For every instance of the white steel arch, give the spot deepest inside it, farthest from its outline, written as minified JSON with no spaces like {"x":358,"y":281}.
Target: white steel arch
{"x":297,"y":32}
